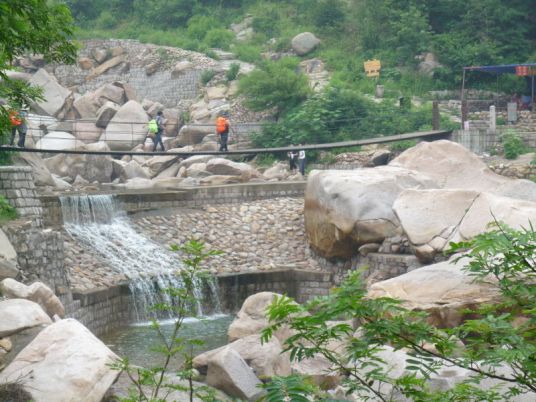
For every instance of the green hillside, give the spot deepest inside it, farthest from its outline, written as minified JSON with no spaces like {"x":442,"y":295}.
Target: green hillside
{"x":397,"y":32}
{"x":459,"y":32}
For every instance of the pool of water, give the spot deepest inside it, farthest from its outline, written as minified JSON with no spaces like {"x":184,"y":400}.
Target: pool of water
{"x":137,"y":340}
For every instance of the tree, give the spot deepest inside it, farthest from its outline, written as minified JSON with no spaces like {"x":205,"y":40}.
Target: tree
{"x":275,"y":85}
{"x":31,"y":26}
{"x":499,"y":343}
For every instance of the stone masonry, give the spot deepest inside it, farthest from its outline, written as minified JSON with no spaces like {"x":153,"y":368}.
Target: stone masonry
{"x":17,"y":186}
{"x":39,"y":250}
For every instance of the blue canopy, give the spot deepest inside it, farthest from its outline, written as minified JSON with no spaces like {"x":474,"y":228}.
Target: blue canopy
{"x":504,"y":69}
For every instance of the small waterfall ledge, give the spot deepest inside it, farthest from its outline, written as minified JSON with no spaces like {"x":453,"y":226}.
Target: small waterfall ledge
{"x":98,"y":223}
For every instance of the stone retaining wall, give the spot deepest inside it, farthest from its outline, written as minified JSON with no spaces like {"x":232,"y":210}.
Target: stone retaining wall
{"x":17,"y":186}
{"x":482,"y":140}
{"x":103,"y":310}
{"x":299,"y":284}
{"x":193,"y":197}
{"x":39,"y":250}
{"x":375,"y":266}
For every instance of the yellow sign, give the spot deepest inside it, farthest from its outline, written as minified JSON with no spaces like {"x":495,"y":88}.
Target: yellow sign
{"x":372,"y":68}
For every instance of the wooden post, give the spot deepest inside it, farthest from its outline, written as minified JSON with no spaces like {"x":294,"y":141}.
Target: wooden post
{"x":435,"y":115}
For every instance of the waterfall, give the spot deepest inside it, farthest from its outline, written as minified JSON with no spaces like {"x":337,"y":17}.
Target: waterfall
{"x":98,"y":223}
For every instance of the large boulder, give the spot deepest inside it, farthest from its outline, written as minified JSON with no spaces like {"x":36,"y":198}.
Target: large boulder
{"x":443,"y":290}
{"x":230,"y":373}
{"x":91,"y":167}
{"x":37,"y":292}
{"x":19,"y":314}
{"x":266,"y":359}
{"x":345,"y":209}
{"x":8,"y":258}
{"x":190,"y":135}
{"x":451,"y":165}
{"x":59,"y":141}
{"x":319,"y":369}
{"x":219,"y":180}
{"x":168,"y":172}
{"x":87,"y":105}
{"x":86,"y":131}
{"x":251,"y":319}
{"x":128,"y":170}
{"x":54,"y":94}
{"x":278,"y":171}
{"x":41,"y":174}
{"x":106,"y":112}
{"x":456,"y":215}
{"x":157,"y":164}
{"x":110,"y":93}
{"x":304,"y":43}
{"x":127,"y":128}
{"x":64,"y":363}
{"x":221,"y":166}
{"x":186,"y":163}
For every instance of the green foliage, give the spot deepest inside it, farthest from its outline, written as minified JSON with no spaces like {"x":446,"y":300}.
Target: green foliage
{"x":206,"y":76}
{"x":106,"y":20}
{"x":219,"y":38}
{"x":513,"y":144}
{"x":275,"y":85}
{"x":265,"y":160}
{"x":7,"y":212}
{"x":248,"y":53}
{"x":339,"y":114}
{"x":34,"y":26}
{"x":499,"y":339}
{"x":152,"y":384}
{"x":292,"y":388}
{"x":233,"y":71}
{"x":400,"y":146}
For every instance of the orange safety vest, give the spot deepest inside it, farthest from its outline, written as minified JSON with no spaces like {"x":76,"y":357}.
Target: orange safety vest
{"x":15,"y":118}
{"x":222,"y":125}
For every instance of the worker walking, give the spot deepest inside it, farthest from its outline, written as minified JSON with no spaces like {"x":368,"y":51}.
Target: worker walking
{"x":222,"y":130}
{"x":18,"y":124}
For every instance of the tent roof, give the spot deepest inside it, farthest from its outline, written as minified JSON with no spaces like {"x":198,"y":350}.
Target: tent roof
{"x":504,"y":69}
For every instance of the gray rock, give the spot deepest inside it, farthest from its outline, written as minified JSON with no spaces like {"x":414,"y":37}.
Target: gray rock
{"x":37,"y":292}
{"x":127,"y":128}
{"x":230,"y":373}
{"x":304,"y":43}
{"x":65,"y":362}
{"x":8,"y":258}
{"x":19,"y":314}
{"x":54,"y":94}
{"x":92,"y":167}
{"x":106,"y":113}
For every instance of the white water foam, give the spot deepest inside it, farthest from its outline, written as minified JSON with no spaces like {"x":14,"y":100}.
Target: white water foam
{"x":97,"y":223}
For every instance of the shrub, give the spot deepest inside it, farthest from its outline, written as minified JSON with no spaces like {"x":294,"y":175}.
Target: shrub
{"x":513,"y":144}
{"x":106,"y":20}
{"x":199,"y":25}
{"x":206,"y":76}
{"x":220,"y":38}
{"x":400,"y":146}
{"x":275,"y":85}
{"x":233,"y":71}
{"x":247,"y":53}
{"x":7,"y":211}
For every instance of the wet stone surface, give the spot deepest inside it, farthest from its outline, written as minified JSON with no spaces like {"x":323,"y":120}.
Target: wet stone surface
{"x":258,"y":235}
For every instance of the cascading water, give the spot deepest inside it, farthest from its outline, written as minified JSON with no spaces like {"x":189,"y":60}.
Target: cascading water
{"x":97,"y":223}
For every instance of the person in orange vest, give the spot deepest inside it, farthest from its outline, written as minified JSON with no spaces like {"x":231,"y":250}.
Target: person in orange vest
{"x":222,"y":130}
{"x":18,"y":124}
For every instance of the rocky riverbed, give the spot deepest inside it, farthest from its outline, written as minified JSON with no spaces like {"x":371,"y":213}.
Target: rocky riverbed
{"x":258,"y":235}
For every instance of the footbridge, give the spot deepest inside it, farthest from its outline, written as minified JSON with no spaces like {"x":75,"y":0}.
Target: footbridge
{"x":420,"y":135}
